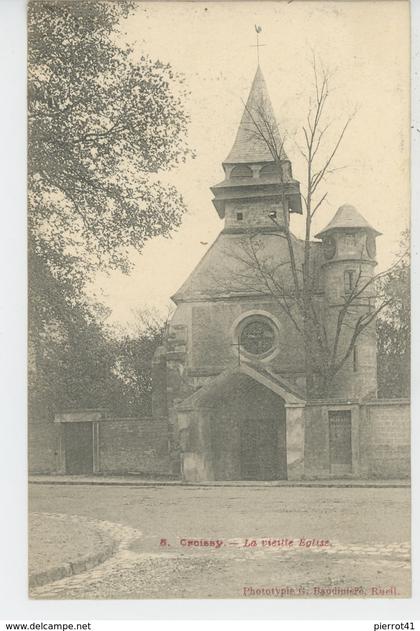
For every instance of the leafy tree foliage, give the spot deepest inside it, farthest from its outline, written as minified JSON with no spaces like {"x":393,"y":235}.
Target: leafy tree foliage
{"x":70,"y":354}
{"x":100,"y":127}
{"x":78,"y":362}
{"x":393,"y":327}
{"x":133,"y":364}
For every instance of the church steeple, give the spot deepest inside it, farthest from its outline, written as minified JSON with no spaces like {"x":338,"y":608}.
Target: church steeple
{"x":258,"y":117}
{"x":257,"y":169}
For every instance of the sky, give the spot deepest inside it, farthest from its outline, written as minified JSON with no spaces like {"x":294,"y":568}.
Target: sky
{"x":365,"y":44}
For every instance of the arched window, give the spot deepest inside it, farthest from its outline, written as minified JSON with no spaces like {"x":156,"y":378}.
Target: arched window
{"x":269,"y":171}
{"x":272,"y":170}
{"x":241,"y":172}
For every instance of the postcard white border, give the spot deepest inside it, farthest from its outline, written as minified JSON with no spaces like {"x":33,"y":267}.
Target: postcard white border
{"x":13,"y":467}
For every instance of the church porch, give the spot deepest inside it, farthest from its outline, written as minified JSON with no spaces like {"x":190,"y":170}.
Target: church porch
{"x":243,"y":425}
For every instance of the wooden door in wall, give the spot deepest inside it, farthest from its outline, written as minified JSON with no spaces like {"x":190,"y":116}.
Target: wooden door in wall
{"x":259,"y":449}
{"x":340,"y":442}
{"x":78,"y":448}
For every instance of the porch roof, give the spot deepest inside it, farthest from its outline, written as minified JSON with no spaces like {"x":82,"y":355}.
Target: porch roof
{"x":258,"y":373}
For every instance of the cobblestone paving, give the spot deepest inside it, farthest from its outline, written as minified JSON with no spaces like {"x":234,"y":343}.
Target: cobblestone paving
{"x":56,"y":540}
{"x":143,"y":568}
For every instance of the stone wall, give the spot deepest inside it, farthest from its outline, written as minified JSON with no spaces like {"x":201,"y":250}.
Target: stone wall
{"x":385,"y":439}
{"x":243,"y":214}
{"x":133,"y":446}
{"x":214,"y":330}
{"x":380,"y":439}
{"x":43,"y":446}
{"x":120,"y":445}
{"x":316,"y":450}
{"x":295,"y":440}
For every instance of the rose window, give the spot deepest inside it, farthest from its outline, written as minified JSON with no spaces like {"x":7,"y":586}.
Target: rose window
{"x":257,"y":337}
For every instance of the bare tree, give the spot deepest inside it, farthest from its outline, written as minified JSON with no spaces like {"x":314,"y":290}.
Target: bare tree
{"x":327,"y":348}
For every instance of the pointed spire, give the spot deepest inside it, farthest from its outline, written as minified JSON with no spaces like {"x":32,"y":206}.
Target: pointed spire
{"x":249,"y":145}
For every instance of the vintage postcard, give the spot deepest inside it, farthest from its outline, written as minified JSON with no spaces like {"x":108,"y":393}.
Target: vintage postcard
{"x":219,"y":330}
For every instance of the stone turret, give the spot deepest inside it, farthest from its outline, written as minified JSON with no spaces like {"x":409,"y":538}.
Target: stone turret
{"x":349,"y":259}
{"x":257,"y":169}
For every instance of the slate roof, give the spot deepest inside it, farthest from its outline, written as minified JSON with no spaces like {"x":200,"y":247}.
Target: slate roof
{"x":226,"y":270}
{"x":248,"y":145}
{"x":347,"y":216}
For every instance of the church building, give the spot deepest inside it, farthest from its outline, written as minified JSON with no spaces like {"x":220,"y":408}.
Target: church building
{"x":229,"y":382}
{"x":231,"y":375}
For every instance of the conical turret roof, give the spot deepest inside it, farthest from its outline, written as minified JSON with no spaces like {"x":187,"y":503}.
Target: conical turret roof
{"x":258,"y":121}
{"x":347,"y":216}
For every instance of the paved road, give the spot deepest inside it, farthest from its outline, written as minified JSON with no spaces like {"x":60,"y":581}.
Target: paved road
{"x":191,"y":542}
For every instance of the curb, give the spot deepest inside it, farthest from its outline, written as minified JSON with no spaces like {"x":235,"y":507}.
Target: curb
{"x":120,"y":538}
{"x":72,"y":568}
{"x":291,"y":484}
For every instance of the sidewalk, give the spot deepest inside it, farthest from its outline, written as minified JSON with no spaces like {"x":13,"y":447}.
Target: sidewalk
{"x":63,"y":545}
{"x":132,"y":480}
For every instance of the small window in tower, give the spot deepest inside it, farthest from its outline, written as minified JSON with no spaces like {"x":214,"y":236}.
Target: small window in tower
{"x":239,"y":216}
{"x":355,"y":359}
{"x":240,"y":172}
{"x":349,"y":280}
{"x":350,"y":240}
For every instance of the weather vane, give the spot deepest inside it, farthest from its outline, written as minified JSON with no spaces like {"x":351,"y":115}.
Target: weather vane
{"x":258,"y":30}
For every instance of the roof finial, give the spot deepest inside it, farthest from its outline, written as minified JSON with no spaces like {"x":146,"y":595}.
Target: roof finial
{"x":258,"y":30}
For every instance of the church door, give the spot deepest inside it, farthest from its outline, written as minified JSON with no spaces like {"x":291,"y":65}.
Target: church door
{"x":248,"y":432}
{"x":260,"y":449}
